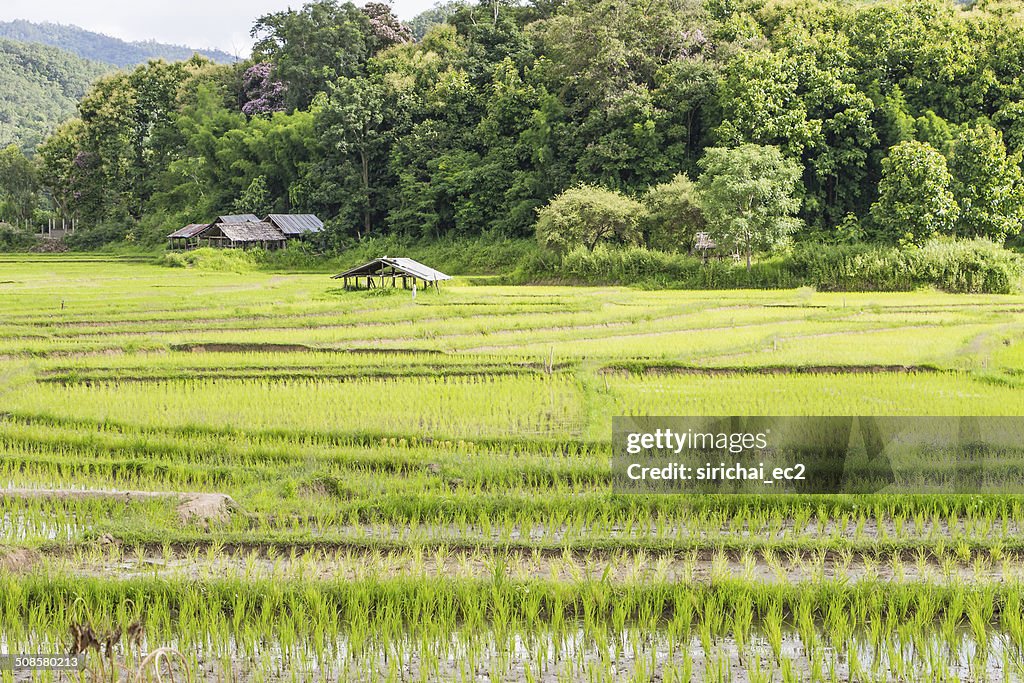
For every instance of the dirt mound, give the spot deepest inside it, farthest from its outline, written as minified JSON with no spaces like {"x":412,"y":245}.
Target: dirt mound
{"x":17,"y":560}
{"x":203,"y":507}
{"x":206,"y":507}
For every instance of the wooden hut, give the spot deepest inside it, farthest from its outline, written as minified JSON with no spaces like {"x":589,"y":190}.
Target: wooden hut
{"x":295,"y":224}
{"x":703,"y":245}
{"x":242,"y":236}
{"x":382,"y":271}
{"x":187,"y":237}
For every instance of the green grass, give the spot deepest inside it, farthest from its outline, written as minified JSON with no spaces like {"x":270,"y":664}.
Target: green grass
{"x":424,"y":487}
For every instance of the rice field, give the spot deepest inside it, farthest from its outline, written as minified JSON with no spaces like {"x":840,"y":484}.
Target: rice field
{"x":262,"y":477}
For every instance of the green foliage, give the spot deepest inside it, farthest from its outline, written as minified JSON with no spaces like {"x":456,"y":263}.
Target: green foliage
{"x":748,"y":197}
{"x":914,"y":198}
{"x":674,"y":215}
{"x":501,"y":108}
{"x":40,"y":87}
{"x":13,"y":238}
{"x":587,"y":216}
{"x":101,"y":48}
{"x":987,"y":184}
{"x":959,"y":266}
{"x":255,"y":199}
{"x":224,"y":260}
{"x":19,"y":185}
{"x":969,"y":266}
{"x":634,"y":265}
{"x":313,"y":46}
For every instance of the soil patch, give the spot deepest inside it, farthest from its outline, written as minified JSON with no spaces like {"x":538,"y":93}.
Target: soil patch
{"x":766,"y":370}
{"x":204,"y":507}
{"x":17,"y":560}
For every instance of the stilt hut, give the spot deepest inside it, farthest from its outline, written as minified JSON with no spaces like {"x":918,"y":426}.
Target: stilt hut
{"x":383,"y":271}
{"x":295,"y":224}
{"x":187,"y":237}
{"x":242,"y":236}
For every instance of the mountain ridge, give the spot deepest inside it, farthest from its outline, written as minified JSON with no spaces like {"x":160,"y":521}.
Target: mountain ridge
{"x":99,"y":47}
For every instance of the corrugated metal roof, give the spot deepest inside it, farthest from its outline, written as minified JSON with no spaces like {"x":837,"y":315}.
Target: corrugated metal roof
{"x":240,"y":218}
{"x":251,"y":232}
{"x":402,"y":265}
{"x":417,"y":269}
{"x":190,"y":230}
{"x":295,"y":223}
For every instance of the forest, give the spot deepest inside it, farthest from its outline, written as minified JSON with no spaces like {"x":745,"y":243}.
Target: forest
{"x":40,"y":87}
{"x":98,"y":47}
{"x":765,"y":123}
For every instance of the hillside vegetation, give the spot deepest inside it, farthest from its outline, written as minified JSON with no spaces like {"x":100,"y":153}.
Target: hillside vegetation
{"x":39,"y":88}
{"x":102,"y":48}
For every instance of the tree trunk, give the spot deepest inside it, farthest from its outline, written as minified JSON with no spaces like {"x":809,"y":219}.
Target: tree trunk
{"x":366,"y":190}
{"x":748,"y":255}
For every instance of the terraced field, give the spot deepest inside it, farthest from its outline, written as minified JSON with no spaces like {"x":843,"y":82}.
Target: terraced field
{"x":277,"y":479}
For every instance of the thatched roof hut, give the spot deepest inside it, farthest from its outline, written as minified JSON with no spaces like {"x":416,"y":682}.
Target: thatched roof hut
{"x":243,"y":235}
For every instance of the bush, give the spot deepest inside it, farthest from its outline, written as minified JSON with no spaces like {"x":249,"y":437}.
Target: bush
{"x":855,"y":267}
{"x":15,"y":239}
{"x":207,"y":258}
{"x":674,"y":216}
{"x":964,"y":266}
{"x":587,"y":216}
{"x":969,"y":266}
{"x":651,"y":269}
{"x":975,"y":266}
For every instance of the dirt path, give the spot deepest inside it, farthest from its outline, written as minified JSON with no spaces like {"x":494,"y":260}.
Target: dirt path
{"x":203,"y":507}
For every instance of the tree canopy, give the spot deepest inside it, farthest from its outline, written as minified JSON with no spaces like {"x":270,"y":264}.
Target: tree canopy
{"x":485,"y":112}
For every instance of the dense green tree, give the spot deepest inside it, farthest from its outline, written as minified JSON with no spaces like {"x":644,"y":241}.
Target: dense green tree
{"x":674,"y":214}
{"x":587,"y":215}
{"x":915,"y":202}
{"x":352,"y":125}
{"x":19,"y":185}
{"x":39,"y":87}
{"x":748,"y":196}
{"x":501,"y":106}
{"x":314,"y":46}
{"x":986,"y":184}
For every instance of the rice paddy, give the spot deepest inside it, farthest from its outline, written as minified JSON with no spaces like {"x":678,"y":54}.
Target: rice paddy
{"x":275,"y":480}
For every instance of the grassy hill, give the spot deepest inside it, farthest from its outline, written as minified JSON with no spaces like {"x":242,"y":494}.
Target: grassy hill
{"x":101,"y":48}
{"x":39,"y":88}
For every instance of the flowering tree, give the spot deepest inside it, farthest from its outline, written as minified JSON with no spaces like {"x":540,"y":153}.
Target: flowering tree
{"x":263,"y":94}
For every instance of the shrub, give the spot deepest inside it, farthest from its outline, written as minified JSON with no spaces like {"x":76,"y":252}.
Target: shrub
{"x":962,"y":266}
{"x":969,"y":266}
{"x":674,"y":215}
{"x":15,"y":239}
{"x":852,"y":267}
{"x":226,"y":260}
{"x":587,"y":216}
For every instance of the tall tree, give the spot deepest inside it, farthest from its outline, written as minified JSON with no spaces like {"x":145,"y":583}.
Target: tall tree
{"x":314,"y":46}
{"x":914,"y":198}
{"x":19,"y":187}
{"x":987,"y":184}
{"x":747,"y":193}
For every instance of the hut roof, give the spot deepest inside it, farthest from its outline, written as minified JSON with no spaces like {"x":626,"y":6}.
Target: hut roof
{"x":240,"y":218}
{"x":190,"y":230}
{"x":703,"y":241}
{"x":295,"y":223}
{"x":400,"y":265}
{"x":251,"y":232}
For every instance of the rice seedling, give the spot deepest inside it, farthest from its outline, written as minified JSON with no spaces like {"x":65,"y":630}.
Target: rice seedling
{"x":423,"y":489}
